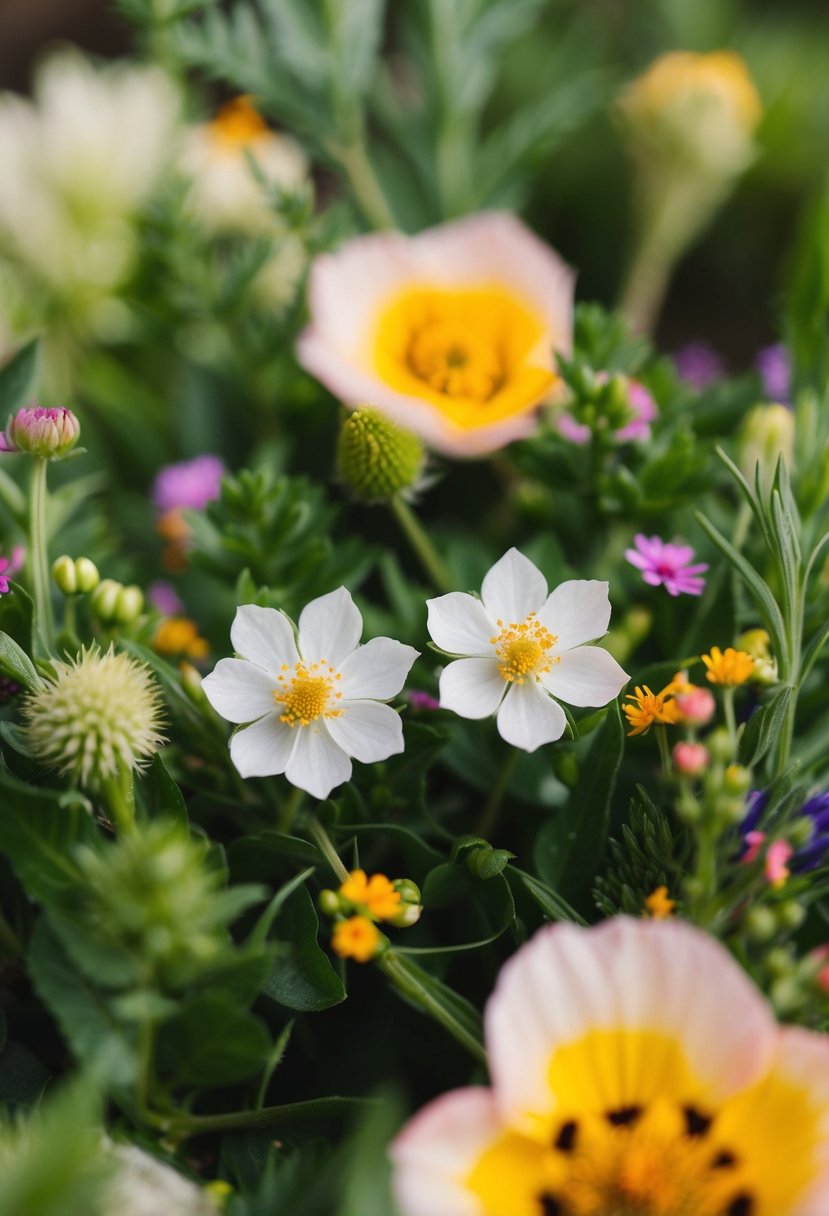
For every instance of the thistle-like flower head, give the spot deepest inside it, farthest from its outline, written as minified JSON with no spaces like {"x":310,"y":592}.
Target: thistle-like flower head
{"x":102,"y":712}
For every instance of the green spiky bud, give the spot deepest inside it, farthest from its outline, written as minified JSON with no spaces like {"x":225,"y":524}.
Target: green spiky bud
{"x":376,"y":458}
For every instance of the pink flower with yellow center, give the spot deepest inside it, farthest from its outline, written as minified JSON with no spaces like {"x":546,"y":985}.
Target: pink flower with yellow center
{"x":452,"y":333}
{"x":635,"y":1071}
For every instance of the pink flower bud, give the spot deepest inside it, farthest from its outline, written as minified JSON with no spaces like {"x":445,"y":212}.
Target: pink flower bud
{"x":49,"y":433}
{"x":777,"y":855}
{"x":697,"y":706}
{"x":754,"y":843}
{"x":691,"y":759}
{"x":820,"y":956}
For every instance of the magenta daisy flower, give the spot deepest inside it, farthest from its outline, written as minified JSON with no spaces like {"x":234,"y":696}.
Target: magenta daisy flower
{"x":667,"y":565}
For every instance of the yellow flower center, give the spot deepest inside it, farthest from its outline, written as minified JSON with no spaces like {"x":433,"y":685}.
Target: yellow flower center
{"x":307,"y":692}
{"x":480,"y":355}
{"x":237,"y":126}
{"x":524,"y":650}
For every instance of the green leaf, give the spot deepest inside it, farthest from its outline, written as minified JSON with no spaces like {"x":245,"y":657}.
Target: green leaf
{"x":302,"y":976}
{"x":16,"y":664}
{"x":161,"y":795}
{"x":22,"y":1078}
{"x":431,"y":996}
{"x":552,"y":905}
{"x":17,"y":379}
{"x":763,"y":728}
{"x":759,"y":588}
{"x":261,"y":858}
{"x":82,"y":1013}
{"x":212,"y":1041}
{"x":570,"y":846}
{"x":38,"y":831}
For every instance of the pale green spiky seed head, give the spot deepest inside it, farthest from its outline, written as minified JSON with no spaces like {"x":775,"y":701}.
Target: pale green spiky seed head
{"x":376,"y":458}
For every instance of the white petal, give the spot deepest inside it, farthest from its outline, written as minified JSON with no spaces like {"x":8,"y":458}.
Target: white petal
{"x":317,"y":764}
{"x":587,"y":675}
{"x":377,"y":670}
{"x":472,"y":688}
{"x":529,"y":718}
{"x":329,"y":628}
{"x":513,"y":588}
{"x":239,"y":691}
{"x":263,"y":749}
{"x":458,"y":624}
{"x":264,"y":636}
{"x":367,"y":730}
{"x":438,"y":1149}
{"x":662,"y":977}
{"x":577,"y":612}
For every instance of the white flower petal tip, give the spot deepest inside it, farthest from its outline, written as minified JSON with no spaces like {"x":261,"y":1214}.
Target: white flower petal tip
{"x":483,"y":278}
{"x":518,"y":648}
{"x":309,"y":710}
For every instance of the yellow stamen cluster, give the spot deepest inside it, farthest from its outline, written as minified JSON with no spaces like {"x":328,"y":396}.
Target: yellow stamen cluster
{"x":524,"y":650}
{"x":729,"y":667}
{"x":356,"y":938}
{"x":453,"y":358}
{"x":307,"y":692}
{"x":374,"y":897}
{"x":178,"y":635}
{"x":648,"y":707}
{"x":238,"y":125}
{"x":661,"y":1159}
{"x":658,"y":905}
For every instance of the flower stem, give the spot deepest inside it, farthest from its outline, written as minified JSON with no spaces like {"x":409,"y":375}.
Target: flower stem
{"x":730,"y":718}
{"x":39,"y":556}
{"x":288,"y":809}
{"x":178,"y":1126}
{"x":367,"y":190}
{"x":664,"y":751}
{"x":428,"y":555}
{"x":490,"y":813}
{"x":404,"y":976}
{"x":323,"y":842}
{"x":119,"y":795}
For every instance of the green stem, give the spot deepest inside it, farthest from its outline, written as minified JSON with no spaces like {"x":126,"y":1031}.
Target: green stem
{"x":288,"y":810}
{"x":730,"y":718}
{"x":39,"y":556}
{"x":119,"y":796}
{"x":323,"y":843}
{"x":429,"y":557}
{"x":179,"y":1126}
{"x":490,"y":813}
{"x":400,"y":972}
{"x":664,"y":750}
{"x":706,"y":874}
{"x":368,"y":192}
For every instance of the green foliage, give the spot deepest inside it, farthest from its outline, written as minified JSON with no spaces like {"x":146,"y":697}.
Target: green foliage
{"x":652,"y":852}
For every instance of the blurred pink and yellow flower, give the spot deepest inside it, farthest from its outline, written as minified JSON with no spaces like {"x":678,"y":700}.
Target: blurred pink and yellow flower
{"x":452,"y":333}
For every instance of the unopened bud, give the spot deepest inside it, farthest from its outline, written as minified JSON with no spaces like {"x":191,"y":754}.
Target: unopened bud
{"x":697,"y":706}
{"x":104,"y":599}
{"x":63,"y":572}
{"x":760,"y":924}
{"x":790,"y":914}
{"x":691,"y":759}
{"x":328,"y":902}
{"x":129,"y":604}
{"x":767,"y":433}
{"x":720,"y":745}
{"x":191,"y":682}
{"x":376,"y":458}
{"x":737,"y":779}
{"x":86,"y":573}
{"x":47,"y":433}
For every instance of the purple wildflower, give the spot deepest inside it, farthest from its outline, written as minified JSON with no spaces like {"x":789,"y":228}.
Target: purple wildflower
{"x":164,"y":598}
{"x":9,"y":566}
{"x":4,"y":575}
{"x":418,"y":699}
{"x":667,"y":565}
{"x":698,"y":364}
{"x":804,"y":857}
{"x":774,"y":366}
{"x":189,"y":485}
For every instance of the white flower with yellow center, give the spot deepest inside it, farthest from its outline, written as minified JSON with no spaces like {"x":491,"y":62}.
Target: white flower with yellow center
{"x":452,"y":333}
{"x":309,"y":701}
{"x":518,"y":648}
{"x":636,"y":1071}
{"x":224,"y":191}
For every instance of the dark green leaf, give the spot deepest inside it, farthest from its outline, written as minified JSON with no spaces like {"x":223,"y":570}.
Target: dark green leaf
{"x":15,"y":663}
{"x":212,"y":1042}
{"x":38,"y":830}
{"x":763,"y":728}
{"x":302,"y":976}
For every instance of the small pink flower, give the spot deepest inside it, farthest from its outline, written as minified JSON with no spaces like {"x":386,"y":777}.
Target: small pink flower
{"x":422,"y":700}
{"x":188,"y":485}
{"x":754,"y":842}
{"x":777,"y":855}
{"x":164,"y":597}
{"x":691,"y":759}
{"x":698,"y":364}
{"x":9,"y":566}
{"x":46,"y":433}
{"x":667,"y":565}
{"x":697,"y":706}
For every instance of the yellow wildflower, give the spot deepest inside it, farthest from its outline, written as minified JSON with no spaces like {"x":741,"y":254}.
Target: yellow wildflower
{"x":649,"y":707}
{"x":729,"y":667}
{"x":375,"y":897}
{"x":177,"y":635}
{"x":658,"y":904}
{"x":355,"y":938}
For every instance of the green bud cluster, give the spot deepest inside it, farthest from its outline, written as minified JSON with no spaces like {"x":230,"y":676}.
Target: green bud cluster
{"x":75,"y":576}
{"x":115,"y":604}
{"x":153,"y":907}
{"x":376,"y":458}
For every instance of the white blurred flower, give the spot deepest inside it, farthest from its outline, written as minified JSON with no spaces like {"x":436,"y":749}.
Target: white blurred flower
{"x":224,"y":192}
{"x":519,"y":648}
{"x":145,"y":1186}
{"x":308,"y":703}
{"x":79,"y":160}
